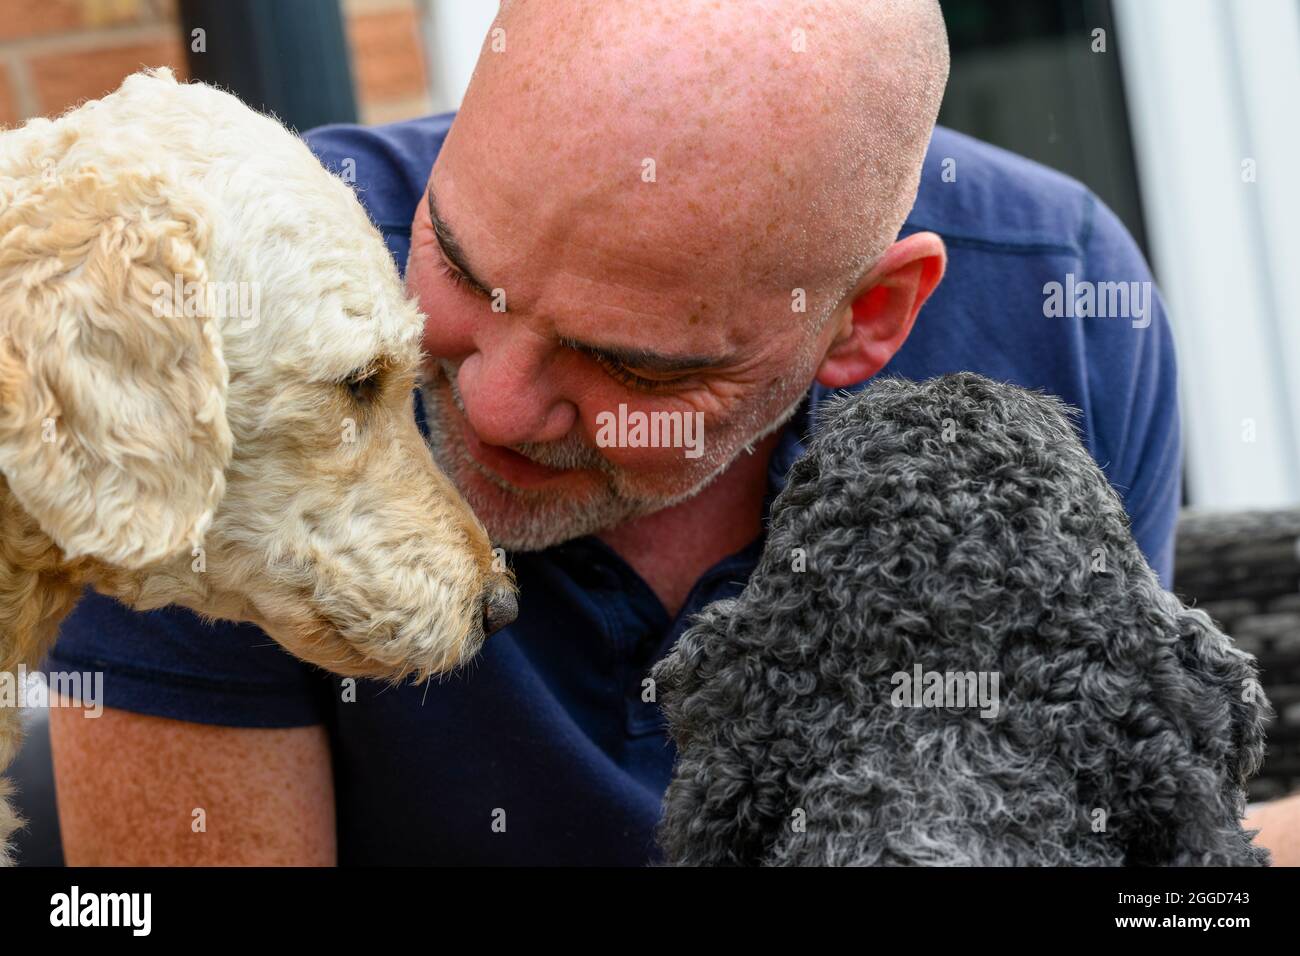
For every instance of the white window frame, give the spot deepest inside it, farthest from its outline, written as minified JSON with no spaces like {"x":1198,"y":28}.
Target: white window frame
{"x":1211,"y":84}
{"x":452,"y":32}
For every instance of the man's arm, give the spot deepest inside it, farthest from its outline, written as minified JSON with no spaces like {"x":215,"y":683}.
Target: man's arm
{"x":129,"y":787}
{"x":1278,"y":824}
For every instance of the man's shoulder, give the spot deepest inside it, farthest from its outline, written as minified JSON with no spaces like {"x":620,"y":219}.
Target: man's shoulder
{"x":970,"y":191}
{"x":388,"y":165}
{"x":974,"y":192}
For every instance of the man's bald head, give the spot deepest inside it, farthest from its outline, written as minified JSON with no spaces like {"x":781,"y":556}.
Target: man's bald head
{"x":632,"y":205}
{"x":788,"y":133}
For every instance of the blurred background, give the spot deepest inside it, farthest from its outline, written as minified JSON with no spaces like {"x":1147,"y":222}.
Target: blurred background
{"x":1180,"y":114}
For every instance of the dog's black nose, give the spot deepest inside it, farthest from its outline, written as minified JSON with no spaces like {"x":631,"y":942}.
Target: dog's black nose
{"x":500,"y":607}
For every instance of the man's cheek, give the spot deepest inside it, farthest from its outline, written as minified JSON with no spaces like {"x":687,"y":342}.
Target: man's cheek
{"x":431,"y":294}
{"x":667,"y":467}
{"x":441,"y":339}
{"x":447,"y":326}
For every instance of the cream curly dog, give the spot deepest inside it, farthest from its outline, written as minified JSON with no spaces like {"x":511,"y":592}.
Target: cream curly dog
{"x":206,"y":372}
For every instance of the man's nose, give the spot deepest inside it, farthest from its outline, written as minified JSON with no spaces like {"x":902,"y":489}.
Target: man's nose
{"x":510,"y":396}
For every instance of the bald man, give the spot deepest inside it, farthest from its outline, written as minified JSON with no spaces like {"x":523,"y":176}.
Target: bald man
{"x":715,"y":212}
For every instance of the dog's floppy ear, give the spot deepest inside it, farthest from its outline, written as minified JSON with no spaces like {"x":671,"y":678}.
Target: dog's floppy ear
{"x":1217,"y":662}
{"x":1205,"y":740}
{"x":113,"y":431}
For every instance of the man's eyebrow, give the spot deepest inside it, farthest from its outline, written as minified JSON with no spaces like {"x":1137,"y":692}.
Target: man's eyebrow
{"x":452,"y":250}
{"x":646,"y":360}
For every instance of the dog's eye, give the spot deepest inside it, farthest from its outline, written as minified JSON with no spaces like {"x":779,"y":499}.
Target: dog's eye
{"x":363,"y":385}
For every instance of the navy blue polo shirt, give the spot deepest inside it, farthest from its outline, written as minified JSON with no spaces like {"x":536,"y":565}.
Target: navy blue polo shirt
{"x":547,"y":732}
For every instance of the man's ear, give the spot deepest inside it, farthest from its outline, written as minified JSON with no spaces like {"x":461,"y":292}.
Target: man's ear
{"x":879,"y":315}
{"x":113,"y":431}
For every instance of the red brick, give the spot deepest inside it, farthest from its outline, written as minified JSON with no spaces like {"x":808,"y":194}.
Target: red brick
{"x":22,"y":19}
{"x":387,"y":60}
{"x":66,"y":79}
{"x":8,"y":108}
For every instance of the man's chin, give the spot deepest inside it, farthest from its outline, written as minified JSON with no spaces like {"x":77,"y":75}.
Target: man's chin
{"x":531,"y":522}
{"x":526,"y":521}
{"x":577,"y":503}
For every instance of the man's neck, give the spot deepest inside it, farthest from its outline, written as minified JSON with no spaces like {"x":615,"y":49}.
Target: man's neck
{"x":671,"y":549}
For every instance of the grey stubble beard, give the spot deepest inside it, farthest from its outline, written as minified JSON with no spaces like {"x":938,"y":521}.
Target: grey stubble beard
{"x":538,"y":519}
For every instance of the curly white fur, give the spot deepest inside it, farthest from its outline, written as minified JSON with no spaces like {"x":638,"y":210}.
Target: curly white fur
{"x":132,"y":436}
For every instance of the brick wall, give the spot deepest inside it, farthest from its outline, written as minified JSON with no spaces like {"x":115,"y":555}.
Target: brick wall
{"x":387,"y":59}
{"x":57,"y":53}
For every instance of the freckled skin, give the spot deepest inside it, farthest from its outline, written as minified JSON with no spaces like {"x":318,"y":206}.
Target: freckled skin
{"x":267,"y":794}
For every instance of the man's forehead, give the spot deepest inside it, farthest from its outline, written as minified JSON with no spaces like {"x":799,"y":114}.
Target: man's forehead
{"x":790,"y":125}
{"x":632,"y":292}
{"x":659,"y":236}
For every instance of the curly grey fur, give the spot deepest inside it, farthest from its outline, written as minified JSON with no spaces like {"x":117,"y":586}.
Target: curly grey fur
{"x":975,"y":554}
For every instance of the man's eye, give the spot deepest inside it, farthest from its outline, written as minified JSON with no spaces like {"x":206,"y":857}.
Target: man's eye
{"x":625,"y":376}
{"x":454,"y":275}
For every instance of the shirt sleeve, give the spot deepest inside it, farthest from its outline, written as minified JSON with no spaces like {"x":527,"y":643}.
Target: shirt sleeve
{"x":170,"y":663}
{"x":1133,"y":381}
{"x":387,"y":166}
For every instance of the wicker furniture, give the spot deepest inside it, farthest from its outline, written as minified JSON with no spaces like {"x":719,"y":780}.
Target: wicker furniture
{"x":1243,"y":569}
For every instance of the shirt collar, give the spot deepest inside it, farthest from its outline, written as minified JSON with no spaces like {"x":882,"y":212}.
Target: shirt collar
{"x":792,"y":443}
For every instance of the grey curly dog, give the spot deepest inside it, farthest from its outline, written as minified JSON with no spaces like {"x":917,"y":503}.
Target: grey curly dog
{"x":1081,"y":715}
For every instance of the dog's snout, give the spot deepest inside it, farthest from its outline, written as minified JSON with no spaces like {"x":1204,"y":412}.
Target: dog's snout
{"x":500,"y":606}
